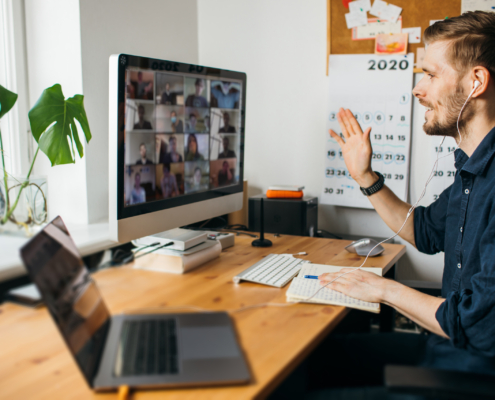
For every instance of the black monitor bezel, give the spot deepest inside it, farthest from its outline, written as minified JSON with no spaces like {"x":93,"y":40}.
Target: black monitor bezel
{"x":154,"y":64}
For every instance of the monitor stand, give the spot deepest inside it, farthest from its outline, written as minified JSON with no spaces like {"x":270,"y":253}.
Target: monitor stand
{"x":261,"y":242}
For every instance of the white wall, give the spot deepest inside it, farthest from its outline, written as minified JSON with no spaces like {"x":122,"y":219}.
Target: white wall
{"x":165,"y":29}
{"x":281,"y":45}
{"x":53,"y":45}
{"x":69,"y":42}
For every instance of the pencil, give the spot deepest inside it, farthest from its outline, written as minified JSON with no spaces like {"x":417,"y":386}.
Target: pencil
{"x":123,"y":392}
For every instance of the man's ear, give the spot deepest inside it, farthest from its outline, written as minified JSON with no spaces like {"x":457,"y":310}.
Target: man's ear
{"x":482,"y":75}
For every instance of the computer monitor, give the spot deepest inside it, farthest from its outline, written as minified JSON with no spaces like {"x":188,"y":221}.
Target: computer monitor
{"x":176,"y":145}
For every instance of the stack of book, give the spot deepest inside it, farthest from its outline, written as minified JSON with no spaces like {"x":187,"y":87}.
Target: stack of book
{"x":285,"y":192}
{"x":190,"y":250}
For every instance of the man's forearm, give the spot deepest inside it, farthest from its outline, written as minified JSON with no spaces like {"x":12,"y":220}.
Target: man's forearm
{"x":391,"y":209}
{"x":417,"y":306}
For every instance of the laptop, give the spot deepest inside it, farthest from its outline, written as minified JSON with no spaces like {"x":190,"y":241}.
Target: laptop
{"x":139,"y":350}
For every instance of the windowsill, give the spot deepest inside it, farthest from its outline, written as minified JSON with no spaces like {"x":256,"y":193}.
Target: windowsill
{"x":89,"y":239}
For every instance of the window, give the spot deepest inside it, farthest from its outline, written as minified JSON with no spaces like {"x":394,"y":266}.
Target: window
{"x":13,"y":76}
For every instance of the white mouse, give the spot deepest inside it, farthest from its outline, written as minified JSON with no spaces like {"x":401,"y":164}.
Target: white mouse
{"x":363,"y":246}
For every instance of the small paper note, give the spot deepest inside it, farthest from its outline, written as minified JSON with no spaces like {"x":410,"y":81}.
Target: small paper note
{"x":356,"y":19}
{"x":375,"y":27}
{"x":477,"y":5}
{"x":359,"y":5}
{"x":378,"y":7}
{"x":414,"y":34}
{"x":391,"y":13}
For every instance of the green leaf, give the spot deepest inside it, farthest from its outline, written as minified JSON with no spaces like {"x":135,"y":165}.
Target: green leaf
{"x":7,"y":100}
{"x":53,"y":125}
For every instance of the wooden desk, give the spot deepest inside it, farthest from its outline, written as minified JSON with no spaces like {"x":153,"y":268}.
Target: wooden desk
{"x":35,"y":364}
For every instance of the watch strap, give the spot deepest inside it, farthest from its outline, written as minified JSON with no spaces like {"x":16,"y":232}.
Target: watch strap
{"x":375,"y":187}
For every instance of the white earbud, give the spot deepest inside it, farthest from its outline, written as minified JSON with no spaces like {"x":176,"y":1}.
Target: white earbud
{"x":477,"y":84}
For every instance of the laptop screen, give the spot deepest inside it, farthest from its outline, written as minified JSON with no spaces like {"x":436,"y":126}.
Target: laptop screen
{"x":55,"y":266}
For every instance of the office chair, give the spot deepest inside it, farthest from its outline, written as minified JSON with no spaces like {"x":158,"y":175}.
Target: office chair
{"x":439,"y":384}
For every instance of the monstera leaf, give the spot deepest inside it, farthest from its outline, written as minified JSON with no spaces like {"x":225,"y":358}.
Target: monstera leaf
{"x":7,"y":100}
{"x":53,"y":125}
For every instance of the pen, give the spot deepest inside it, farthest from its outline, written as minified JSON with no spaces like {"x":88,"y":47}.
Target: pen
{"x":310,"y":276}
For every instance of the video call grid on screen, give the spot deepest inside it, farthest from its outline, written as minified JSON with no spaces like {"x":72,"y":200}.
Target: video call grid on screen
{"x":182,"y":134}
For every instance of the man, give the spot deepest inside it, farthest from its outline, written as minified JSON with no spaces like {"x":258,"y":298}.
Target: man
{"x":224,"y":175}
{"x":191,"y":125}
{"x":144,"y":88}
{"x":226,"y":153}
{"x":226,"y":124}
{"x":225,"y":95}
{"x":138,"y":195}
{"x":168,"y":97}
{"x":173,"y":156}
{"x":196,"y":100}
{"x":176,"y":123}
{"x":461,"y":223}
{"x":142,"y":123}
{"x":142,"y":152}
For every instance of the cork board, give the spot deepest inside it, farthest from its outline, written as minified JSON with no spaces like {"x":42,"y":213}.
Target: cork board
{"x":414,"y":13}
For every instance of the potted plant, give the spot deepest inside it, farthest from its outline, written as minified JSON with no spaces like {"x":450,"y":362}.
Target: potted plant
{"x":53,"y":126}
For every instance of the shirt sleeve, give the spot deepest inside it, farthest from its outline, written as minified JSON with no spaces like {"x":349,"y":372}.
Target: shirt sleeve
{"x":429,"y":224}
{"x":468,"y":316}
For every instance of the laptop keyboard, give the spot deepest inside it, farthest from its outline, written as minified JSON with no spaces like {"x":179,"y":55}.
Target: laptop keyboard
{"x":147,"y":347}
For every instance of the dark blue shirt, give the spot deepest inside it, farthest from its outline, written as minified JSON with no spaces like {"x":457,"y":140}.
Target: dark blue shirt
{"x":461,"y":223}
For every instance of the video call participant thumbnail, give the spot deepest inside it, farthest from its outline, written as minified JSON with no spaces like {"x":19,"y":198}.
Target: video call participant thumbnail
{"x":197,"y":120}
{"x":197,"y":99}
{"x":168,"y":182}
{"x":170,"y":89}
{"x":144,"y":85}
{"x":139,"y":184}
{"x":142,"y":123}
{"x":138,"y":194}
{"x":227,"y":128}
{"x":223,"y":172}
{"x":144,"y":159}
{"x":225,"y":176}
{"x":225,"y":94}
{"x":226,"y":153}
{"x":176,"y":124}
{"x":197,"y":147}
{"x":197,"y":176}
{"x":173,"y":156}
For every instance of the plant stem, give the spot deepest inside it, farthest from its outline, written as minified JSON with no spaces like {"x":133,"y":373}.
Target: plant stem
{"x":5,"y":176}
{"x":24,"y":184}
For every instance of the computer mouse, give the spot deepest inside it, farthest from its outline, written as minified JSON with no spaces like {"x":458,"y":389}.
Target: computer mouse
{"x":362,"y":247}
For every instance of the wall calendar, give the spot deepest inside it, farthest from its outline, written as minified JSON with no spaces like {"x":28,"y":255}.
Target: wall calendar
{"x":378,"y":90}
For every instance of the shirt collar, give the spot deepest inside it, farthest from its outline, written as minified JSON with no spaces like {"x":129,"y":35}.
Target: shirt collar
{"x":478,"y":161}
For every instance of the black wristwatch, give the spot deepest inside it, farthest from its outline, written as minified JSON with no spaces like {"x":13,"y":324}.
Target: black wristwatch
{"x":375,"y":187}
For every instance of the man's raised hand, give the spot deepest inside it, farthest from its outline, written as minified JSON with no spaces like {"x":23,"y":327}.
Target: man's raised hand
{"x":356,"y":148}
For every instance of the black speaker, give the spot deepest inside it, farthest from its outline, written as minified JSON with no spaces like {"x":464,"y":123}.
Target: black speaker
{"x":285,"y":216}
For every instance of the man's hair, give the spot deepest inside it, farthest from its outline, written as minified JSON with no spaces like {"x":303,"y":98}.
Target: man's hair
{"x":472,"y":40}
{"x":172,"y":138}
{"x":141,"y":145}
{"x":141,"y":107}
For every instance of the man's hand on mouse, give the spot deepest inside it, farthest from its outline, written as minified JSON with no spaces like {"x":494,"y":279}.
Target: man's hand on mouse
{"x":362,"y":285}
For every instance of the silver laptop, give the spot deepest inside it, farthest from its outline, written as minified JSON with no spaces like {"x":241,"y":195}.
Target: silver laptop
{"x":142,"y":351}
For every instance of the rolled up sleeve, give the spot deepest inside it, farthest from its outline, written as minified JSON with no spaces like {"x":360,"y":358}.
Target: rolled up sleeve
{"x":429,"y":224}
{"x":468,"y":316}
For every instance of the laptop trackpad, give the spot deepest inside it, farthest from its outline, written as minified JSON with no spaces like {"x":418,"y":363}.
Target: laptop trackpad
{"x":207,"y":342}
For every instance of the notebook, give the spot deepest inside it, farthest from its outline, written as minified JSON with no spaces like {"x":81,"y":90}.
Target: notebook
{"x":302,"y":288}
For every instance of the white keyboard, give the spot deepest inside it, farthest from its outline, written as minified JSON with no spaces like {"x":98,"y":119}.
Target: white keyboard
{"x":274,"y":270}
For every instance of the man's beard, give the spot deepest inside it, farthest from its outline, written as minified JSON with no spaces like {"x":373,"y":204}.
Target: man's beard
{"x":452,"y":105}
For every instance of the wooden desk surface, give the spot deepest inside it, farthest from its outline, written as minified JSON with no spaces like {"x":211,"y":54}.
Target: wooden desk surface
{"x":35,"y":363}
